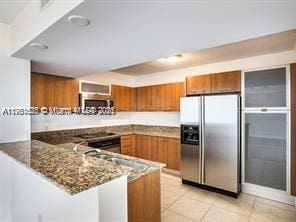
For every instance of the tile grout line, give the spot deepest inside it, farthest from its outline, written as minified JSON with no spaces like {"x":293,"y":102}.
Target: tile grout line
{"x":176,"y":199}
{"x":209,"y":209}
{"x":252,"y":209}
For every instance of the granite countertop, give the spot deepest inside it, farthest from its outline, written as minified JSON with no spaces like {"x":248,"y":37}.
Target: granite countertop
{"x":64,"y":136}
{"x":70,"y":171}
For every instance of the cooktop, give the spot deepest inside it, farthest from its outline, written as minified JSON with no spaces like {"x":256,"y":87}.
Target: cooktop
{"x":95,"y":135}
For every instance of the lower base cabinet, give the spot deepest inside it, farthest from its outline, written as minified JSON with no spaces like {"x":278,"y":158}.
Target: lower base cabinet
{"x":144,"y":199}
{"x":159,"y":149}
{"x":174,"y":154}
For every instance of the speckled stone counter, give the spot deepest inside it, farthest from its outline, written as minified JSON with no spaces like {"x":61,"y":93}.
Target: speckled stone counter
{"x":70,"y":171}
{"x":164,"y":131}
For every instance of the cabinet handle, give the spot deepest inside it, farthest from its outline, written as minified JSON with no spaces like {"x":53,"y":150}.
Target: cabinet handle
{"x":198,"y":90}
{"x":225,"y":89}
{"x":264,"y":110}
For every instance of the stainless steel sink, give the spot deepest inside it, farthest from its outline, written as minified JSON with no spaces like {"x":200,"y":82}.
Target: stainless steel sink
{"x":128,"y":163}
{"x":135,"y":165}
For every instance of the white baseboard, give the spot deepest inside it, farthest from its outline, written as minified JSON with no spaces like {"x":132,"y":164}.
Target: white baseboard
{"x":269,"y":193}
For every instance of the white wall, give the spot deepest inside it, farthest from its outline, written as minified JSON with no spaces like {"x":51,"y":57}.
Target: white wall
{"x":44,"y":123}
{"x":14,"y":91}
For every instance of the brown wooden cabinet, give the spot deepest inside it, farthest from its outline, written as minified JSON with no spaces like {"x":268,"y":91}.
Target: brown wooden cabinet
{"x":179,"y":92}
{"x":122,"y":97}
{"x":293,"y":128}
{"x":156,"y":103}
{"x":196,"y":85}
{"x":53,"y":91}
{"x":128,"y":144}
{"x":42,"y":90}
{"x":159,"y":147}
{"x":164,"y":97}
{"x":144,"y":199}
{"x":143,"y":147}
{"x":226,"y":82}
{"x":140,"y":98}
{"x":65,"y":92}
{"x":173,"y":154}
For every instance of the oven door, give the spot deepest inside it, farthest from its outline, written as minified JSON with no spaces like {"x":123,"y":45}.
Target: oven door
{"x":111,"y":145}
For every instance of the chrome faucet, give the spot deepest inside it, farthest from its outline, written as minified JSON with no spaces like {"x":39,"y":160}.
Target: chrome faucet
{"x":92,"y":150}
{"x":77,"y":146}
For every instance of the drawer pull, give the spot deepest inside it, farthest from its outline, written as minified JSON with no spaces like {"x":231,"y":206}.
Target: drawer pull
{"x":225,"y":89}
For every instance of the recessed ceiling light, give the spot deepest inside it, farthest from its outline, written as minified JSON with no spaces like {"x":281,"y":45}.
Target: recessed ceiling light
{"x":38,"y":46}
{"x":172,"y":59}
{"x":78,"y":20}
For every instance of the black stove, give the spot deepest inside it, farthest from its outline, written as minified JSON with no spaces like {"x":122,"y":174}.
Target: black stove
{"x":102,"y":140}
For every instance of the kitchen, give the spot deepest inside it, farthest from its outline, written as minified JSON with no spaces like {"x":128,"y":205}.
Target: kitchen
{"x":153,"y":149}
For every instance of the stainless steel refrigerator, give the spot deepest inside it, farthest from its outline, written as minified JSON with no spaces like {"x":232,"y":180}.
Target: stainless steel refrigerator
{"x":210,"y":141}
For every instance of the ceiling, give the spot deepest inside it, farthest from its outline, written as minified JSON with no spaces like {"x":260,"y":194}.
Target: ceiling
{"x":125,"y":33}
{"x":279,"y":42}
{"x":9,"y":9}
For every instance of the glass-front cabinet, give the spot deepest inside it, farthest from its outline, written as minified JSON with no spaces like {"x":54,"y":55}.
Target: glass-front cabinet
{"x":266,"y":120}
{"x":266,"y":89}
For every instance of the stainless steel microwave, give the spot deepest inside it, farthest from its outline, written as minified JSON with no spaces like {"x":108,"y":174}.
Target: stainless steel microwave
{"x":88,"y":100}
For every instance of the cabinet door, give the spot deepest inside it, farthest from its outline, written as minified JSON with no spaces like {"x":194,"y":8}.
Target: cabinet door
{"x":126,"y":144}
{"x":128,"y":101}
{"x":42,"y":90}
{"x":169,"y":93}
{"x":162,"y":103}
{"x":159,"y":149}
{"x":72,"y":92}
{"x":226,"y":82}
{"x":265,"y":149}
{"x":143,"y":147}
{"x":197,"y":85}
{"x":65,"y":92}
{"x":122,"y":96}
{"x":115,"y":92}
{"x":148,"y":98}
{"x":155,"y":98}
{"x":179,"y":92}
{"x":266,"y":88}
{"x":173,"y":154}
{"x":140,"y":94}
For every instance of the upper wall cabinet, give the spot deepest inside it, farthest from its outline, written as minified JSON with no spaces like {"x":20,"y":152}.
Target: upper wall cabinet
{"x":266,"y":88}
{"x":225,"y":82}
{"x":164,"y":97}
{"x":42,"y":90}
{"x":123,"y":97}
{"x":53,"y":91}
{"x":198,"y":85}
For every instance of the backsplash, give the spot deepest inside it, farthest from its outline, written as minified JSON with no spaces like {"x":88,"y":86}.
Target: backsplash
{"x":42,"y":123}
{"x":173,"y":132}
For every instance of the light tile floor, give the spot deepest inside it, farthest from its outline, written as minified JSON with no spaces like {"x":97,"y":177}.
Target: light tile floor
{"x":183,"y":203}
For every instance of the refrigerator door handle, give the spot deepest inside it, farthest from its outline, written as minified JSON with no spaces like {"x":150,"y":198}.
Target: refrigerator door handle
{"x":202,"y":132}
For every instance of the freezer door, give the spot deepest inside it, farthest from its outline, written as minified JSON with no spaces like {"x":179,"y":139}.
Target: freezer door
{"x":190,"y":162}
{"x":190,"y":110}
{"x":221,"y":141}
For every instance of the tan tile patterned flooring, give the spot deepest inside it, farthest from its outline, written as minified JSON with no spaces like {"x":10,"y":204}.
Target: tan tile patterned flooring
{"x":182,"y":203}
